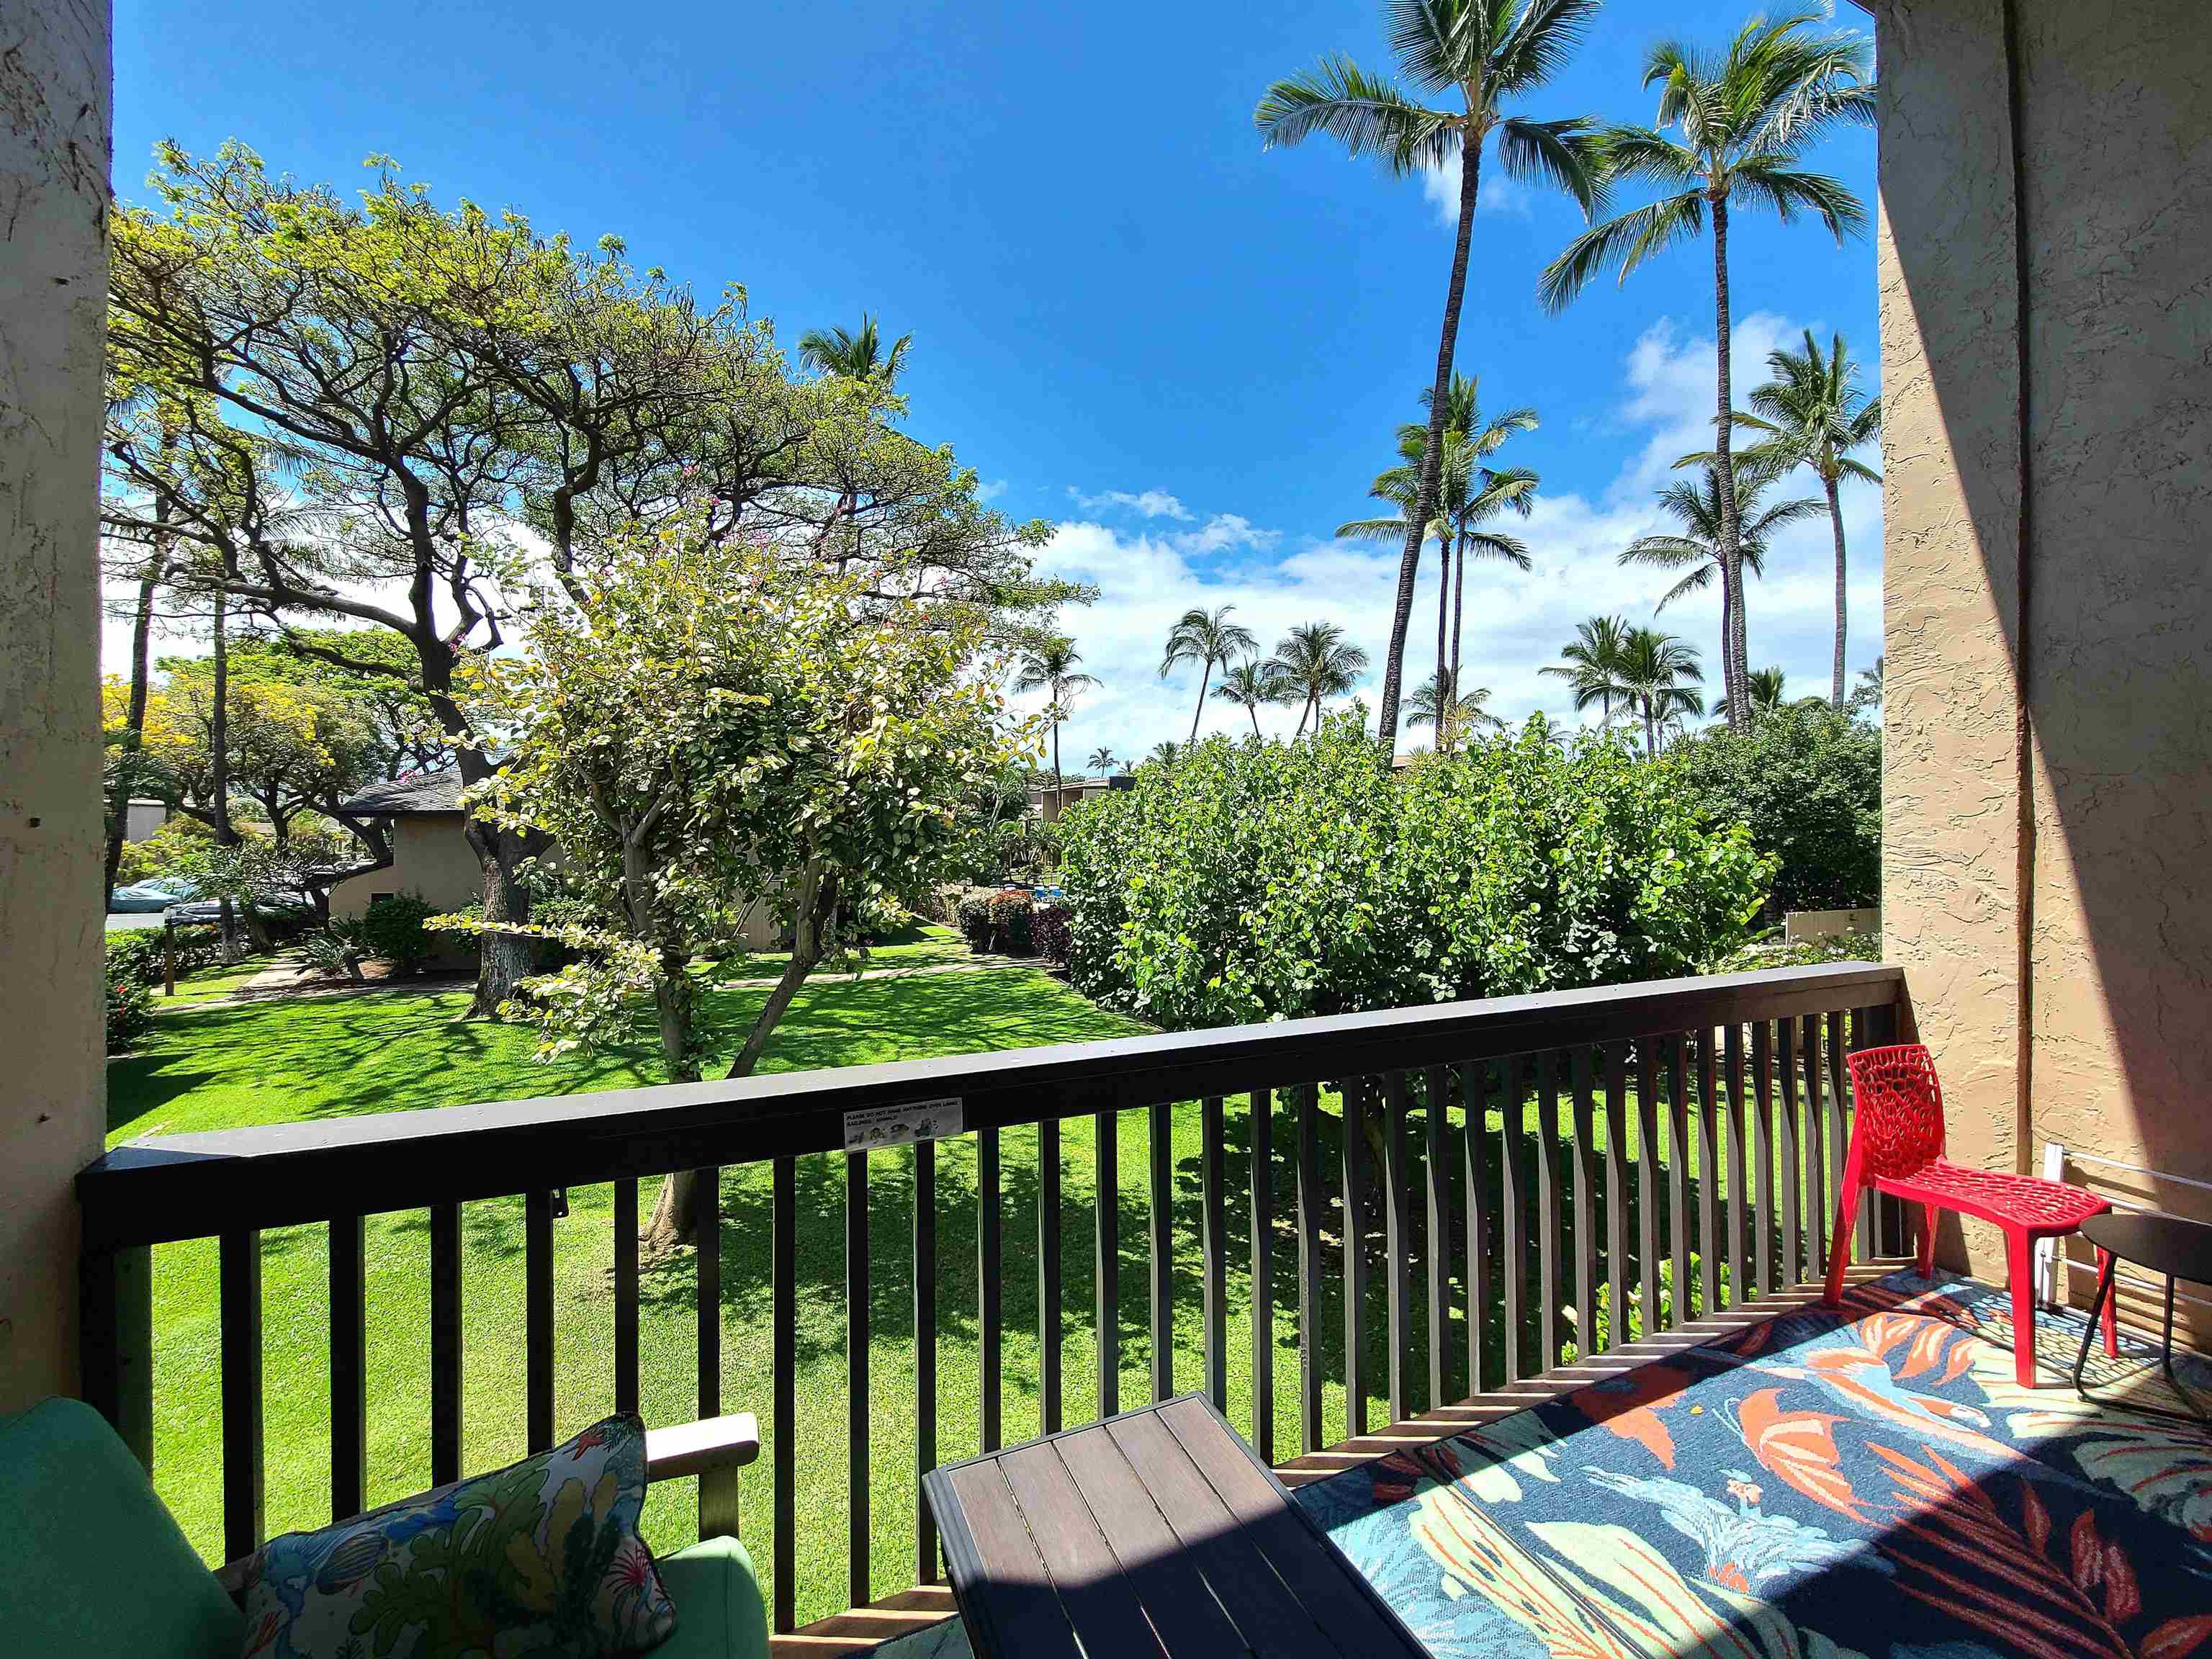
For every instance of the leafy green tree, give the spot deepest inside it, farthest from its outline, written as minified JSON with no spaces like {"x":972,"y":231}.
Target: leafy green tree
{"x":1591,"y":663}
{"x":1867,"y":694}
{"x":856,"y":355}
{"x":1745,"y":115}
{"x":1053,"y":667}
{"x":1807,"y":782}
{"x":1814,"y":415}
{"x":1661,"y":673}
{"x":1477,"y":56}
{"x":711,"y":727}
{"x":1314,"y":662}
{"x":1251,"y":687}
{"x":1696,"y":548}
{"x":1258,"y":881}
{"x":1209,"y":639}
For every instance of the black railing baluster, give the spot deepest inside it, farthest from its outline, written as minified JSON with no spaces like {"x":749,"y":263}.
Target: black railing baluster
{"x":625,"y":1206}
{"x":1513,"y":1212}
{"x":1616,"y":1191}
{"x":1675,"y":1055}
{"x":1790,"y":1169}
{"x":857,"y":1335}
{"x":1049,"y":1387}
{"x":1355,"y":1255}
{"x":925,"y":1355}
{"x":783,"y":1338}
{"x":1263,"y":1273}
{"x":349,"y":1364}
{"x":1817,"y":1211}
{"x":1647,"y":1194}
{"x":990,"y":1253}
{"x":1436,"y":1183}
{"x":1838,"y":1135}
{"x":708,"y":1204}
{"x":1107,"y":1259}
{"x":1214,"y":1250}
{"x":1766,"y":1218}
{"x":1709,"y":1176}
{"x":238,"y":1257}
{"x":1398,"y":1241}
{"x":537,"y":1318}
{"x":1160,"y":1174}
{"x":1585,"y":1175}
{"x":1739,"y":1164}
{"x":445,"y":1344}
{"x":1870,"y":1243}
{"x":1312,"y":1201}
{"x":1474,"y":1098}
{"x":1547,"y":1212}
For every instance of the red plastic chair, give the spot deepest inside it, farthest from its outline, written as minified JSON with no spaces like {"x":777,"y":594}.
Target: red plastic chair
{"x":1897,"y":1148}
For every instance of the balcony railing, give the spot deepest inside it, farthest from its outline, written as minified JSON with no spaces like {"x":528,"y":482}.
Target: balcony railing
{"x":1521,"y":1230}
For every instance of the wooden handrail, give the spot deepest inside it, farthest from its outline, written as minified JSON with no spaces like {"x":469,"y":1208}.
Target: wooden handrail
{"x":178,"y":1187}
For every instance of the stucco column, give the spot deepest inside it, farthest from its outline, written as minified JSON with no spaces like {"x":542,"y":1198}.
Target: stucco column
{"x":54,"y":156}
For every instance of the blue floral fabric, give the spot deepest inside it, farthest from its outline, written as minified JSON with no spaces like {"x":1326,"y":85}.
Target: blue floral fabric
{"x":542,"y":1559}
{"x":1869,"y":1481}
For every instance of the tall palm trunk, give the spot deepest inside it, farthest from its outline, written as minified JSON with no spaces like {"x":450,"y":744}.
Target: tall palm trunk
{"x":1836,"y":674}
{"x":1459,"y":608}
{"x":1447,"y":687}
{"x":1058,"y":784}
{"x":127,"y":764}
{"x":1736,"y":653}
{"x":1650,"y":734}
{"x":1432,"y":455}
{"x":1205,"y":674}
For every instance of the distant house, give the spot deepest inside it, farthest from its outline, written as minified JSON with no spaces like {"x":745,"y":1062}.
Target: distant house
{"x":1048,"y":804}
{"x":431,"y":856}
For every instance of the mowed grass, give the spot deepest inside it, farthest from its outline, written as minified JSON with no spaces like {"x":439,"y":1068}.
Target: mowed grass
{"x":225,"y":1064}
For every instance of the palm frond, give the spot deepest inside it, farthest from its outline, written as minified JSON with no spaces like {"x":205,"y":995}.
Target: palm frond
{"x":1786,"y":190}
{"x":1539,"y":42}
{"x":1624,"y":243}
{"x":1428,"y":38}
{"x":1567,"y":154}
{"x":1337,"y":98}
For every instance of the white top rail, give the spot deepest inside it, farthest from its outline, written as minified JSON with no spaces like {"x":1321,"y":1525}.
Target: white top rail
{"x":2056,"y":1158}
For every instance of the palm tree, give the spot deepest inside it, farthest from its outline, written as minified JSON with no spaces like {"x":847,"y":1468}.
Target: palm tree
{"x":1485,"y":52}
{"x":1765,"y":694}
{"x":857,"y":356}
{"x":1165,"y":752}
{"x":1746,"y":116}
{"x":1814,"y":415}
{"x":1469,"y":493}
{"x":1659,"y":672}
{"x":1250,"y":686}
{"x":1206,"y":638}
{"x":1051,"y":666}
{"x":1100,"y":760}
{"x":1867,"y":694}
{"x":1451,"y":716}
{"x":1696,"y":548}
{"x":1314,"y":662}
{"x":1591,"y":663}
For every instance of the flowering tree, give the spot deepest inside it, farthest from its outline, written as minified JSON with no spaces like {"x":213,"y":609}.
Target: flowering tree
{"x":709,"y":725}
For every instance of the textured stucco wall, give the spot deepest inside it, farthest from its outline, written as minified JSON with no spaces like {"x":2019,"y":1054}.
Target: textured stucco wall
{"x":54,"y":114}
{"x":2113,"y":923}
{"x":430,"y":855}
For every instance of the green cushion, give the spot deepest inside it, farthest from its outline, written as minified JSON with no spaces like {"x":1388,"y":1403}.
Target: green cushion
{"x":718,"y":1610}
{"x":96,"y":1564}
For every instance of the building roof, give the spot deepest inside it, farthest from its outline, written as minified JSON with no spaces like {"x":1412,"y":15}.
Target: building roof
{"x":425,"y":792}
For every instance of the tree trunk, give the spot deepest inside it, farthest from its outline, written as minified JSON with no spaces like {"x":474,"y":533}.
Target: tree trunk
{"x":134,"y":726}
{"x":1205,"y":675}
{"x":1650,"y":734}
{"x":225,"y":833}
{"x":1459,"y":611}
{"x":503,"y":960}
{"x":1735,"y":648}
{"x":1836,"y":676}
{"x":1447,"y":690}
{"x":1425,"y":503}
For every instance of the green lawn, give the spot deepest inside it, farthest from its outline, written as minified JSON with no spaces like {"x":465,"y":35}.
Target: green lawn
{"x":216,"y":1065}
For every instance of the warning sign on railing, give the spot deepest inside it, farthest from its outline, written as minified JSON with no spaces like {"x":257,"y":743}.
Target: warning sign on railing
{"x":902,"y":1126}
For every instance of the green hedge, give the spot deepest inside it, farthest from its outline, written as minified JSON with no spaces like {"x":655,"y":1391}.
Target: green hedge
{"x":1254,"y":881}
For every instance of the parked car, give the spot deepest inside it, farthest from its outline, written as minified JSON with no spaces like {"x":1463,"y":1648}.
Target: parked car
{"x":201,"y":911}
{"x":157,"y":894}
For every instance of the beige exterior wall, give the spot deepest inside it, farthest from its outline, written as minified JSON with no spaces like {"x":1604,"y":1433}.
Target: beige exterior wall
{"x":430,"y":855}
{"x":2047,"y":867}
{"x":54,"y":145}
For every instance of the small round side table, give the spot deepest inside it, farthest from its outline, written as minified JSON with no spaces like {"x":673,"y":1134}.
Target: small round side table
{"x":2169,"y":1244}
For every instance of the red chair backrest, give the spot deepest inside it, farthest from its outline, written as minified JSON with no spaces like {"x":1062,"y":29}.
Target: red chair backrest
{"x":1897,"y":1109}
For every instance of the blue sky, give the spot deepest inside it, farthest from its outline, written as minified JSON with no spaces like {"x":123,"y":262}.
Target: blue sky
{"x":1189,"y":352}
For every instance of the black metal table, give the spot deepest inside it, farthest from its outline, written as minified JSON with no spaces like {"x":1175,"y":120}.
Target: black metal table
{"x":2169,"y":1244}
{"x":1156,"y":1533}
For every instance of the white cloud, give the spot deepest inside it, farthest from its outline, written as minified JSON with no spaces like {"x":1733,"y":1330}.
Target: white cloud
{"x":990,"y":490}
{"x":1440,"y":188}
{"x":1146,"y":504}
{"x":1514,"y":624}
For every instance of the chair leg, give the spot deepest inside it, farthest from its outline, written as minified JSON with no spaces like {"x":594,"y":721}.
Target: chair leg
{"x":2112,"y":1321}
{"x":2020,"y":1266}
{"x":1840,"y":1257}
{"x":1926,"y":1264}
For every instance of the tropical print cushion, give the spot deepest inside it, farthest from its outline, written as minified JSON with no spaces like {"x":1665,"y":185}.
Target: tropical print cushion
{"x":1869,"y":1481}
{"x":542,"y":1559}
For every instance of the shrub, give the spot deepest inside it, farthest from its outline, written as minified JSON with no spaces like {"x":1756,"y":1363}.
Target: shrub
{"x":1807,"y":782}
{"x":972,"y":915}
{"x":130,"y":1013}
{"x":392,"y":931}
{"x":1011,"y":914}
{"x":1255,"y":881}
{"x":1050,"y":934}
{"x":335,"y":949}
{"x":135,"y":956}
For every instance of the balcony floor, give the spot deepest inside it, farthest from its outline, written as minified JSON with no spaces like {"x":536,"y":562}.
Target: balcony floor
{"x":1776,"y":1481}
